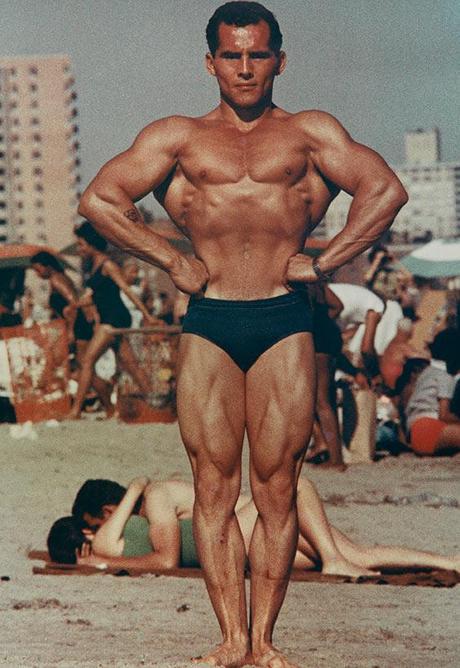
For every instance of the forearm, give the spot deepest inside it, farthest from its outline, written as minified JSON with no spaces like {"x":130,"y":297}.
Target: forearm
{"x":116,"y":218}
{"x":369,"y":216}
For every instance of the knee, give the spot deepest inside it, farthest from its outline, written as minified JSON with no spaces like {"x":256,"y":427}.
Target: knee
{"x":276,"y":495}
{"x":216,"y":492}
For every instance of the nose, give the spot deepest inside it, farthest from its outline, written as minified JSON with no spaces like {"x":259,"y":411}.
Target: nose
{"x":246,"y":71}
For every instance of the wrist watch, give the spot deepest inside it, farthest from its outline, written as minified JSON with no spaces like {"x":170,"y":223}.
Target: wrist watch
{"x":322,"y":276}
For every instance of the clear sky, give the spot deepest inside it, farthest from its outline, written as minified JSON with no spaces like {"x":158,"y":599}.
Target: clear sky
{"x":380,"y":66}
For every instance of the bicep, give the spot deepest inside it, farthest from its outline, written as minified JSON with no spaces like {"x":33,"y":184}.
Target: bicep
{"x":344,"y":161}
{"x":144,"y":166}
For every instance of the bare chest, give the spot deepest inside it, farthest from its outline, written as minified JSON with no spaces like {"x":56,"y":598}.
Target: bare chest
{"x":229,"y":157}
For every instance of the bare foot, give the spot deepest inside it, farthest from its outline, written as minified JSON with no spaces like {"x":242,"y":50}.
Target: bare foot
{"x":344,"y":567}
{"x":228,"y":654}
{"x":274,"y":659}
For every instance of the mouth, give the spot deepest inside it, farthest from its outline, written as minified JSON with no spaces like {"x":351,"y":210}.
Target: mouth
{"x":246,"y":86}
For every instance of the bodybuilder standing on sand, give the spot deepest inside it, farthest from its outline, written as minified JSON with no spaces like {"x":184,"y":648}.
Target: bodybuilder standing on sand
{"x":247,"y":183}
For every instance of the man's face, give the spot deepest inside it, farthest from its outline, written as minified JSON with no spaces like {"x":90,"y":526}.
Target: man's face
{"x":244,"y":64}
{"x":94,"y":521}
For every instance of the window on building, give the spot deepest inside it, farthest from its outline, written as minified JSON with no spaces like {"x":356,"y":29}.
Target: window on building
{"x":1,"y":137}
{"x":2,"y":155}
{"x":15,"y":88}
{"x":13,"y":104}
{"x":33,"y":69}
{"x":36,"y":137}
{"x":2,"y":171}
{"x":38,"y":171}
{"x":36,"y":154}
{"x":38,"y":203}
{"x":21,"y":221}
{"x":3,"y":237}
{"x":38,"y":187}
{"x":16,"y":155}
{"x":17,"y":171}
{"x":34,"y":120}
{"x":2,"y":187}
{"x":33,"y":87}
{"x":14,"y":137}
{"x":19,"y":205}
{"x":2,"y":205}
{"x":19,"y":188}
{"x":16,"y":122}
{"x":3,"y":221}
{"x":39,"y":220}
{"x":34,"y":104}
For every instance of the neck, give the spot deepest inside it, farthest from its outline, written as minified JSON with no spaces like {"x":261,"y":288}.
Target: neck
{"x":243,"y":117}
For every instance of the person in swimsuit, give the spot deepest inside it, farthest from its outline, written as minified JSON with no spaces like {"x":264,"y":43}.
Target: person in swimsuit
{"x":79,"y":316}
{"x":327,"y":341}
{"x":63,"y":298}
{"x":247,"y":183}
{"x":104,"y":285}
{"x":149,"y":526}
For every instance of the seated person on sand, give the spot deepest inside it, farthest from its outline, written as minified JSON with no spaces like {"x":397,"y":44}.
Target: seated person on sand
{"x":432,"y":428}
{"x":160,"y":536}
{"x":398,"y":351}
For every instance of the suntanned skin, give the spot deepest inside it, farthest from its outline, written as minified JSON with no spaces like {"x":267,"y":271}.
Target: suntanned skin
{"x":247,"y":183}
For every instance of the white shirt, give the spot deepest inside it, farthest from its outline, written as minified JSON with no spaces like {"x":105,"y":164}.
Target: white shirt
{"x":357,"y":301}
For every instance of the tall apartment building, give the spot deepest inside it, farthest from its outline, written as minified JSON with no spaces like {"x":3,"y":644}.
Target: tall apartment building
{"x":422,"y":146}
{"x":433,"y":210}
{"x":38,"y":150}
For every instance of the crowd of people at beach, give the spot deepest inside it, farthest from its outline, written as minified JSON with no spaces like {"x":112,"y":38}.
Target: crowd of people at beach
{"x":362,"y":338}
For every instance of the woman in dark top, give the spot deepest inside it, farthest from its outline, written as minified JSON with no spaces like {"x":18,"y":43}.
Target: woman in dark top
{"x":104,"y":287}
{"x":63,"y":299}
{"x":64,"y":303}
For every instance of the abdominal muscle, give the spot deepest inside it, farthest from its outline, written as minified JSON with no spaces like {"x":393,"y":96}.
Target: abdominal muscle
{"x":245,"y":237}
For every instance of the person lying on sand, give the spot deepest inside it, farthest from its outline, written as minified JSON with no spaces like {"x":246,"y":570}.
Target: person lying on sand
{"x":107,"y":531}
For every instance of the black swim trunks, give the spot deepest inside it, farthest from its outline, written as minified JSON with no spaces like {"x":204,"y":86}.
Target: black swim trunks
{"x":246,"y":329}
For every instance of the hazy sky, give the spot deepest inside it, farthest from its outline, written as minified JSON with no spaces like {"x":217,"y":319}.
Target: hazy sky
{"x":380,"y":66}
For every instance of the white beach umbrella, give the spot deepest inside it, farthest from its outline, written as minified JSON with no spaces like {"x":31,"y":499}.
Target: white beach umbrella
{"x":438,"y":259}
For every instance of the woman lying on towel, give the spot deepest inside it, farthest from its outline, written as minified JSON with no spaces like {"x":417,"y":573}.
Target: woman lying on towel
{"x":160,"y":536}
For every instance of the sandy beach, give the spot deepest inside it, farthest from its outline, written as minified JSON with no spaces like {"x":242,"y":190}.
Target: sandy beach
{"x":102,"y":620}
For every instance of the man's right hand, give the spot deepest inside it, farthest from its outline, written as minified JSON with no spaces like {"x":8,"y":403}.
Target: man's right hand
{"x":189,"y":275}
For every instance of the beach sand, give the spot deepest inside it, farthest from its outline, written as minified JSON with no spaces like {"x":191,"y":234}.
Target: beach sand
{"x":103,"y":620}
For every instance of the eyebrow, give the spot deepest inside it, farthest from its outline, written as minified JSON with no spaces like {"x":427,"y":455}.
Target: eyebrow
{"x":253,"y":54}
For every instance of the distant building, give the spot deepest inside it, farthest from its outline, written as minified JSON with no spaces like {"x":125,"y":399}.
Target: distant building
{"x":38,"y":150}
{"x":433,"y":210}
{"x":422,"y":146}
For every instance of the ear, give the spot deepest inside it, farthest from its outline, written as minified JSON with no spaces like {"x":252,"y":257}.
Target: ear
{"x":209,"y":60}
{"x":107,"y":510}
{"x":282,"y":62}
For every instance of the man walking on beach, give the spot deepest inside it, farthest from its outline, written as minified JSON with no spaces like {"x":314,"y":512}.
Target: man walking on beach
{"x":246,"y":183}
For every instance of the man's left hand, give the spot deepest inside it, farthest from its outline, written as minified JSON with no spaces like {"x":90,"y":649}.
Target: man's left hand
{"x":299,"y":270}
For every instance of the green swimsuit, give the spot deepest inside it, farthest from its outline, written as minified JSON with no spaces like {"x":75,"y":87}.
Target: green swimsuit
{"x":137,"y":540}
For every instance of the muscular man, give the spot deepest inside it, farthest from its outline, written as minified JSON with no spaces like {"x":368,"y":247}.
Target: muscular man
{"x":247,"y":183}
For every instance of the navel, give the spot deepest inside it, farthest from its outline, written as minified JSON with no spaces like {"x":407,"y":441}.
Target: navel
{"x":288,"y":171}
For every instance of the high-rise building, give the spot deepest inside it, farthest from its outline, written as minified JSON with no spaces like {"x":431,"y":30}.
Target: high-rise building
{"x":422,"y":146}
{"x":38,"y":150}
{"x":433,"y":210}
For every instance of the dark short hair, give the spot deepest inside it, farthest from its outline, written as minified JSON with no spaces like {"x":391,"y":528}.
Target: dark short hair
{"x":87,"y":232}
{"x":445,"y":346}
{"x":47,"y":260}
{"x":65,"y":537}
{"x":242,"y":14}
{"x":93,"y":495}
